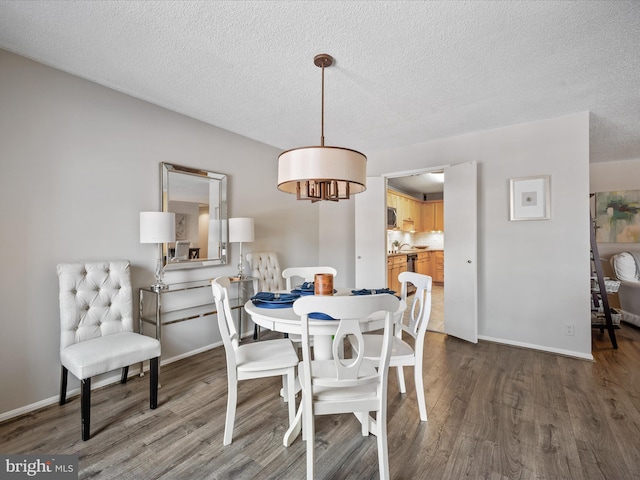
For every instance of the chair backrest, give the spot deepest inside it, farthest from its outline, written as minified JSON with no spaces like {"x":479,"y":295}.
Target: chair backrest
{"x":625,"y":267}
{"x":305,"y":273}
{"x":420,"y":309}
{"x":182,"y":250}
{"x":95,"y":300}
{"x":265,"y":267}
{"x":351,"y":310}
{"x":220,"y":288}
{"x":230,"y":338}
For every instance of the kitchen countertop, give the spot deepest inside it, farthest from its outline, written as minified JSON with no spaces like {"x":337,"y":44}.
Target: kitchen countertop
{"x":413,"y":251}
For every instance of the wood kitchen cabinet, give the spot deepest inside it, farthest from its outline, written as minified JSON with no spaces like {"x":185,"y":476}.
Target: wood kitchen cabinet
{"x":425,"y":263}
{"x":396,"y":264}
{"x":438,"y":274}
{"x":408,"y":209}
{"x":433,"y":216}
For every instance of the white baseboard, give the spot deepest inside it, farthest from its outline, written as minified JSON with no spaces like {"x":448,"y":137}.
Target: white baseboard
{"x":133,"y":371}
{"x":559,"y":351}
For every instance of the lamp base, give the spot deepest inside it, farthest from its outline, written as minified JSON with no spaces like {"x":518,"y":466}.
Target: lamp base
{"x":159,"y":287}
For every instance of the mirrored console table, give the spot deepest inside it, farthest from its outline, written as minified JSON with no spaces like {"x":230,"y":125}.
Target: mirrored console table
{"x":153,"y":311}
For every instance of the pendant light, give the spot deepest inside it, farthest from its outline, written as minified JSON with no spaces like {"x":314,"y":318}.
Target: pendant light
{"x":321,"y":172}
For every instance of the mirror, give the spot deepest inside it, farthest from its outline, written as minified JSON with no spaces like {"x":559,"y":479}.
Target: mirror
{"x":199,"y":200}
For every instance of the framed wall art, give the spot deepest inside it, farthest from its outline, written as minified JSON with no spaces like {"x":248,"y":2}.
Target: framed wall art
{"x":530,"y":198}
{"x":618,"y":216}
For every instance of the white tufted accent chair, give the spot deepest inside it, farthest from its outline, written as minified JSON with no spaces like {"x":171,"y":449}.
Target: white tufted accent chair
{"x":96,"y":329}
{"x":265,"y":266}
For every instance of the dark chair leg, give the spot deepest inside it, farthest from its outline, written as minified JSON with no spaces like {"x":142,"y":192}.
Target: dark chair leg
{"x":125,"y":374}
{"x":63,"y":385}
{"x":153,"y":383}
{"x":85,"y":407}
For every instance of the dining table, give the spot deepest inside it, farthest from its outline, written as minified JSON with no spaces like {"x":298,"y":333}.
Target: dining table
{"x":284,"y":319}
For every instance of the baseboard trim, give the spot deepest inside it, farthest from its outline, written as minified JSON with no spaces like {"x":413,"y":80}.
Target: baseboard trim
{"x":558,"y":351}
{"x":105,"y":381}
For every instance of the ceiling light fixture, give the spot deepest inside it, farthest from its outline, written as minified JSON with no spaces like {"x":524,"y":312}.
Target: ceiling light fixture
{"x":322,"y":173}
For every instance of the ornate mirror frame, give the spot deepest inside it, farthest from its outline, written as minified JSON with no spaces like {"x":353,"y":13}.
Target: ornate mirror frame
{"x":199,"y":200}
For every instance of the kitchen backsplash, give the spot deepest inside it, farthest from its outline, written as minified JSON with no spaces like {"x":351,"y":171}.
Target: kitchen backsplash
{"x":434,"y":240}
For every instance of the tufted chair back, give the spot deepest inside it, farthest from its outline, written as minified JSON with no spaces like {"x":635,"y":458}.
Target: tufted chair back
{"x":95,"y":300}
{"x":265,"y":266}
{"x":96,"y":330}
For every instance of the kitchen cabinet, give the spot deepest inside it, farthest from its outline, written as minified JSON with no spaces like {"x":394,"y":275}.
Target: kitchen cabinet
{"x":393,"y":200}
{"x":396,"y":264}
{"x":438,"y":274}
{"x":425,"y":263}
{"x":433,"y":216}
{"x":408,"y":209}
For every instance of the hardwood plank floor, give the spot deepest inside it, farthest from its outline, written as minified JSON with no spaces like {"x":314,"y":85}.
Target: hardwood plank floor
{"x":495,"y":412}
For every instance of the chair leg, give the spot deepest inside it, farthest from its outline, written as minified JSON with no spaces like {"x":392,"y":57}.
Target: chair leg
{"x":64,"y":373}
{"x":401,"y":384}
{"x":309,"y":429}
{"x":422,"y":405}
{"x":291,"y":394}
{"x":383,"y":452}
{"x":153,"y":383}
{"x":125,"y":374}
{"x":85,"y":407}
{"x":232,"y":398}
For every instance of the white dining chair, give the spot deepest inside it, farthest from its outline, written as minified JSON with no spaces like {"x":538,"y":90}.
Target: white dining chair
{"x":352,"y":385}
{"x":306,"y":274}
{"x":251,"y":360}
{"x":415,"y":324}
{"x":96,"y":330}
{"x":181,"y":250}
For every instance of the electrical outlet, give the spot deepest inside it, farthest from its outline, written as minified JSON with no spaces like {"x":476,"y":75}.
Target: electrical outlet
{"x":568,"y":329}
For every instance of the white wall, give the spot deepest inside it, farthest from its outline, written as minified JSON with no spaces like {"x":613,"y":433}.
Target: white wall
{"x":79,"y":162}
{"x":611,"y":177}
{"x":533,"y":276}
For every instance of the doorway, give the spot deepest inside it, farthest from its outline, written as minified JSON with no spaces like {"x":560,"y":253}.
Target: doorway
{"x":424,"y":185}
{"x":459,"y":271}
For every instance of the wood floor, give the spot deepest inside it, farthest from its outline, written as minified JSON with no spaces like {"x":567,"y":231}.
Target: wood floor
{"x":495,"y":412}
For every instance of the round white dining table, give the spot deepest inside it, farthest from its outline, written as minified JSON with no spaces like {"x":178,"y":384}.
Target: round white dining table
{"x":286,"y":321}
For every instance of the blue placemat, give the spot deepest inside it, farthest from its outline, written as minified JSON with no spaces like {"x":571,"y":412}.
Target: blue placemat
{"x":307,"y":288}
{"x":366,"y":291}
{"x":320,"y":316}
{"x":273,"y":300}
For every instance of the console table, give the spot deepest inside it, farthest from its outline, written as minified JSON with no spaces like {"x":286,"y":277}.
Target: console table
{"x":160,"y":316}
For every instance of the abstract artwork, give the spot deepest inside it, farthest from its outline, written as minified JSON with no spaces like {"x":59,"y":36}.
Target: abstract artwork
{"x":181,"y":226}
{"x":618,"y":216}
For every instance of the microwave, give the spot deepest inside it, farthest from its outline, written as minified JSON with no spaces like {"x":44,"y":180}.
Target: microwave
{"x":392,"y":218}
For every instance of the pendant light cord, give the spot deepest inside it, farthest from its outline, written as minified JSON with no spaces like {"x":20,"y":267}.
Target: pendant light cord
{"x":322,"y":112}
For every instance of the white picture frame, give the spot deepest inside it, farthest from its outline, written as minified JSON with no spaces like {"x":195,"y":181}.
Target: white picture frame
{"x":530,"y":198}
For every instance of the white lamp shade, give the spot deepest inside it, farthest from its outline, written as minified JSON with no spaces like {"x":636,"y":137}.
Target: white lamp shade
{"x":241,"y":230}
{"x":322,"y":163}
{"x":157,"y":227}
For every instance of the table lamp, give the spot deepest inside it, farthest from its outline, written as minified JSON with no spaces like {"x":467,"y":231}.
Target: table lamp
{"x":241,"y":230}
{"x":158,"y":227}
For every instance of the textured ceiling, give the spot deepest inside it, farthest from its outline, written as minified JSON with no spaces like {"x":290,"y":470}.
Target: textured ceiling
{"x":405,"y":71}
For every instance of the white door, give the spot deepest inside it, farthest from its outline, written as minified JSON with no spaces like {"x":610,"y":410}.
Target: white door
{"x":370,"y":234}
{"x":461,"y":251}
